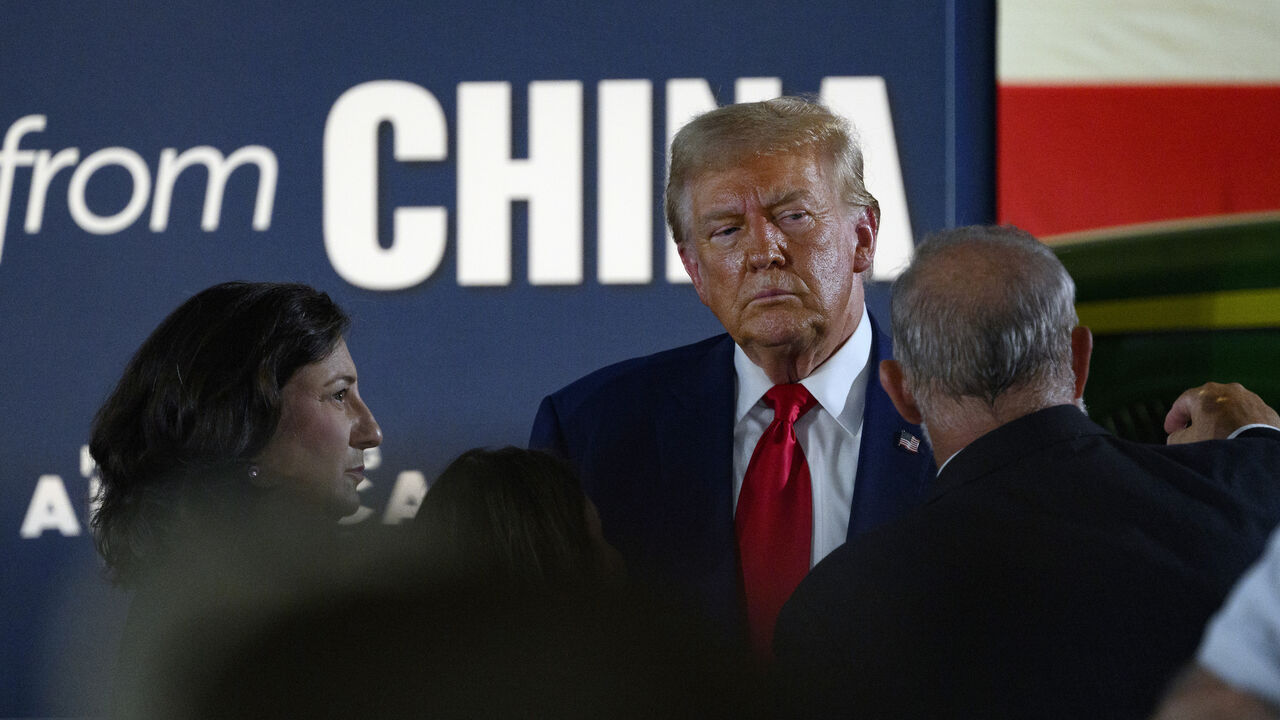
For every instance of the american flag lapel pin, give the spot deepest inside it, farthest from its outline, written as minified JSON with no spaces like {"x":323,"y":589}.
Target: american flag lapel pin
{"x":908,"y":442}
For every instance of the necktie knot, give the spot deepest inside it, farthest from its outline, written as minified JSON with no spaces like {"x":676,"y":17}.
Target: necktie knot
{"x":789,"y":402}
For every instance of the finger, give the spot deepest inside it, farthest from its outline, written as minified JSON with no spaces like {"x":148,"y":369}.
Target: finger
{"x":1179,"y":416}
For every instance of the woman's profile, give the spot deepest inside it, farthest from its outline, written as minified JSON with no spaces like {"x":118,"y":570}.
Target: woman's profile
{"x":228,"y":449}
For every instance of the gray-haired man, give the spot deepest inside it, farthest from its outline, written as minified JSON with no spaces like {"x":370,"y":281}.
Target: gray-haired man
{"x":1056,"y":570}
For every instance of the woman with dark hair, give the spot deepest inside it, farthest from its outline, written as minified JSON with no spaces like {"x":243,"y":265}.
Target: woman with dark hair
{"x":231,"y":445}
{"x":517,"y":517}
{"x":245,"y":393}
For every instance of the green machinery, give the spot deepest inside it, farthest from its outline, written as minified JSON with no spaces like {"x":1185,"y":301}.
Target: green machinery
{"x":1174,"y":305}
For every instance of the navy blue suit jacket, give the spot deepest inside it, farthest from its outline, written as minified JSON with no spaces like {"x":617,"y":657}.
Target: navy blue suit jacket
{"x":652,"y":439}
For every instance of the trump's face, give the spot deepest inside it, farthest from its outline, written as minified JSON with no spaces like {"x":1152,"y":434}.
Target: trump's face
{"x":776,"y":254}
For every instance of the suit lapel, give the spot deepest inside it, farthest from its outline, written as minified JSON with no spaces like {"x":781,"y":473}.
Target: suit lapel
{"x":696,"y":436}
{"x":695,"y":448}
{"x":891,"y":479}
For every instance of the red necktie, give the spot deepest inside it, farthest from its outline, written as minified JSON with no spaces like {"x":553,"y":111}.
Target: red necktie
{"x":774,"y":520}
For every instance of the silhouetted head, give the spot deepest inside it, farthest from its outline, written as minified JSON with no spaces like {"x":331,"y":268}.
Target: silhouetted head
{"x":514,"y":515}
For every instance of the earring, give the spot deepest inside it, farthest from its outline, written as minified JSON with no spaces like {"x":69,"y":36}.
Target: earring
{"x":253,"y":472}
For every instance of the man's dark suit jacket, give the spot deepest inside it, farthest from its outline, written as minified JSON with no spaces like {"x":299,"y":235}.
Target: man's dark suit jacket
{"x":652,"y":439}
{"x":1055,"y":572}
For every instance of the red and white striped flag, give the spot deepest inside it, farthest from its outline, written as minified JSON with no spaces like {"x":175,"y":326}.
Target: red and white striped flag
{"x":1114,"y":112}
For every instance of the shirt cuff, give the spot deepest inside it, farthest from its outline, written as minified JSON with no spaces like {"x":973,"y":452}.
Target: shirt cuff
{"x":1251,"y":426}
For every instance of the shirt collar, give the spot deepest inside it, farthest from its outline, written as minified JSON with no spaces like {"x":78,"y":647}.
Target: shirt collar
{"x":831,"y":384}
{"x":943,"y":466}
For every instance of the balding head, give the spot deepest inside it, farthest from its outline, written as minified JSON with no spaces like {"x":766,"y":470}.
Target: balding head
{"x":984,"y":317}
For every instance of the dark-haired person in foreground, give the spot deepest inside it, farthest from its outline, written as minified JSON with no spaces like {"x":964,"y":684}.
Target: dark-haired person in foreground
{"x":511,"y":606}
{"x":514,"y":517}
{"x":499,"y":601}
{"x":724,"y":469}
{"x":1055,"y":571}
{"x":227,"y":451}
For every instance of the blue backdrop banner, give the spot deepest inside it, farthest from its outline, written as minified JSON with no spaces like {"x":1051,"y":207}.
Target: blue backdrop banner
{"x":477,"y":183}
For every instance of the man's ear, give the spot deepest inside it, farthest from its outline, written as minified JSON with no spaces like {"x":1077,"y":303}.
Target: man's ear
{"x":689,"y":258}
{"x":866,"y":227}
{"x":1081,"y":351}
{"x":895,"y":386}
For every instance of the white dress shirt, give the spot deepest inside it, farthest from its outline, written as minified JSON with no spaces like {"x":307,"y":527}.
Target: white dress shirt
{"x":830,"y":434}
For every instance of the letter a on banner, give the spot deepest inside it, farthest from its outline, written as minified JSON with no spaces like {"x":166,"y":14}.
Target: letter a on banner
{"x":406,"y":497}
{"x":50,"y":509}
